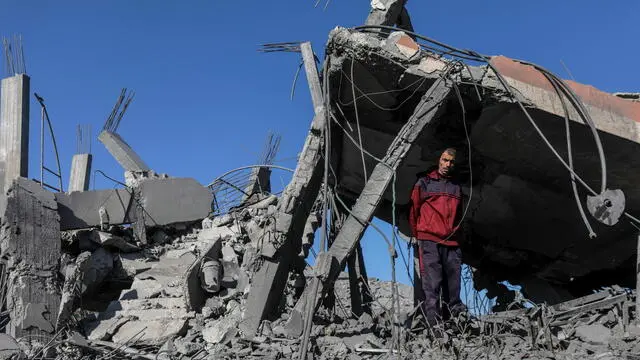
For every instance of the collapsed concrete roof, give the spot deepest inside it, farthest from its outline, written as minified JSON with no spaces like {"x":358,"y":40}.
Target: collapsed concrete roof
{"x":522,"y":216}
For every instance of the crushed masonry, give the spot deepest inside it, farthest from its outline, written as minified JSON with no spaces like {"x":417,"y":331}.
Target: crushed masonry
{"x":166,"y":268}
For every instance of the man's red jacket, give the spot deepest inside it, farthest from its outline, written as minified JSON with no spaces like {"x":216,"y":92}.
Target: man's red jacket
{"x":436,"y":204}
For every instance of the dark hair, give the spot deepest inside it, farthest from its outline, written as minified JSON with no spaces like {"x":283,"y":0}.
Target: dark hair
{"x":450,"y":151}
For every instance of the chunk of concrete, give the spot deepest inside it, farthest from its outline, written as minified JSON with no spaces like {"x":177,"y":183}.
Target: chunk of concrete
{"x":221,"y":330}
{"x":167,"y":271}
{"x":595,"y":334}
{"x":221,"y":220}
{"x":96,"y":270}
{"x":132,"y":264}
{"x":142,"y":289}
{"x":190,"y":201}
{"x":148,"y":314}
{"x":222,"y":232}
{"x":33,"y":316}
{"x":79,"y":209}
{"x":151,"y":333}
{"x":109,"y":240}
{"x":9,"y":348}
{"x":146,"y":304}
{"x":104,"y":329}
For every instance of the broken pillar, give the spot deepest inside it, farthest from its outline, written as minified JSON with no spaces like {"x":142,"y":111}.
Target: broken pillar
{"x":122,"y":152}
{"x":30,"y":243}
{"x":293,"y":210}
{"x":80,"y":172}
{"x":14,"y":129}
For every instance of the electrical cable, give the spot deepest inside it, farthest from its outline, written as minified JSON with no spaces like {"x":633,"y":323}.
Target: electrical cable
{"x":574,"y":186}
{"x":355,"y":109}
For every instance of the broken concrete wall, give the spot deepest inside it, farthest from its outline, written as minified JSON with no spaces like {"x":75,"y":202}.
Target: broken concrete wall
{"x":189,"y":201}
{"x":30,"y":247}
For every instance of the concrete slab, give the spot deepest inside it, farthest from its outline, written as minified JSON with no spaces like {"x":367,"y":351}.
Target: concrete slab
{"x":103,"y":330}
{"x":122,"y":152}
{"x":79,"y":210}
{"x":149,"y":315}
{"x":190,"y":201}
{"x":152,"y":333}
{"x":145,"y":304}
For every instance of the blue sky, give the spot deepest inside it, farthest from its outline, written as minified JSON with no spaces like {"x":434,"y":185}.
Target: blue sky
{"x":205,"y":98}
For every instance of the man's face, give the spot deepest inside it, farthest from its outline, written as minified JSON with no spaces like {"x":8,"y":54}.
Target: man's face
{"x":446,"y":164}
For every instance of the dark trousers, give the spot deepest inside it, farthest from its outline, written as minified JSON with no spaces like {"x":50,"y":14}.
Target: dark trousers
{"x":440,"y":271}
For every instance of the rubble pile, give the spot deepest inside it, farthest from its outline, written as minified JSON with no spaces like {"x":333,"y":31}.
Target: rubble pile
{"x":183,"y":296}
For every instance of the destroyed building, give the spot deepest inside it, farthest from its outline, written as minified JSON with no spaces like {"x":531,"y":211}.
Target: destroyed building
{"x":165,"y":267}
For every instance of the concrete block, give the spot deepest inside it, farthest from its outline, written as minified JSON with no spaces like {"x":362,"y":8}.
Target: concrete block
{"x":145,"y":304}
{"x":122,"y":152}
{"x":142,"y":289}
{"x":79,"y":210}
{"x":190,"y":201}
{"x":209,"y":235}
{"x":113,"y":242}
{"x":151,"y":333}
{"x":30,"y":245}
{"x":103,"y":330}
{"x":9,"y":348}
{"x":132,"y":264}
{"x":150,"y":314}
{"x":168,"y":271}
{"x":595,"y":334}
{"x":221,"y":330}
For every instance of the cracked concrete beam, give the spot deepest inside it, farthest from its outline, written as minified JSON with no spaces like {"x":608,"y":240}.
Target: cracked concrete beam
{"x":291,"y":216}
{"x":122,"y":152}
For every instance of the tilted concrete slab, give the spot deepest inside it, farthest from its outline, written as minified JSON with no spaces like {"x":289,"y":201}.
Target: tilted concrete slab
{"x":122,"y":152}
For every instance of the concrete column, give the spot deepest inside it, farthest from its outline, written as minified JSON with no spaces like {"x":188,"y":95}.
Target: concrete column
{"x":80,"y":172}
{"x":14,"y":129}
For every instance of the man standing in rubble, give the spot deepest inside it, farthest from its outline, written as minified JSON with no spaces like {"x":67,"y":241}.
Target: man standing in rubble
{"x":435,"y":218}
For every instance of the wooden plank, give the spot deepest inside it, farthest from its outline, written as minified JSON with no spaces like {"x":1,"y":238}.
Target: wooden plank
{"x":429,"y":108}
